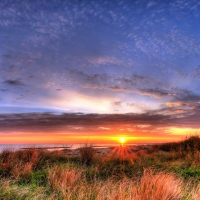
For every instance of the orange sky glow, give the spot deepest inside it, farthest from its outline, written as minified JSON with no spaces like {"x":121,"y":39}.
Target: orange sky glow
{"x":174,"y":134}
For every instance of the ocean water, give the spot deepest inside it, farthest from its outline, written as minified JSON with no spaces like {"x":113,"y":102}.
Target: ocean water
{"x":51,"y":147}
{"x":14,"y":147}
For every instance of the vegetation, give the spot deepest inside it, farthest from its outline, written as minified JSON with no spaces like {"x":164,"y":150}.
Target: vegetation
{"x":163,"y":172}
{"x":87,"y":154}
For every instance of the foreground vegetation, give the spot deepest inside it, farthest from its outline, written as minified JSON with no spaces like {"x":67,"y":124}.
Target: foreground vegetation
{"x":164,"y":172}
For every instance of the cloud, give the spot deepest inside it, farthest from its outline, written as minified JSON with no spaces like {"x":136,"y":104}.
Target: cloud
{"x":118,"y":83}
{"x":196,"y":72}
{"x":140,"y":106}
{"x":186,"y":95}
{"x":151,"y":3}
{"x":15,"y":82}
{"x":156,"y":92}
{"x":105,"y":60}
{"x":117,"y":103}
{"x":131,"y":104}
{"x":143,"y":126}
{"x":191,"y":105}
{"x":66,"y":121}
{"x":176,"y":94}
{"x":104,"y":128}
{"x":3,"y":90}
{"x":174,"y":104}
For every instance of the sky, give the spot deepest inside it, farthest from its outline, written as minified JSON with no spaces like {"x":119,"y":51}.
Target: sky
{"x":72,"y":71}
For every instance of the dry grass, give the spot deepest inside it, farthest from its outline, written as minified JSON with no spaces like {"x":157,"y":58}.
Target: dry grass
{"x":150,"y":187}
{"x":33,"y":174}
{"x":160,"y":186}
{"x":18,"y":163}
{"x":72,"y":184}
{"x":194,"y":194}
{"x":63,"y":178}
{"x":65,"y":183}
{"x":189,"y":144}
{"x":87,"y":154}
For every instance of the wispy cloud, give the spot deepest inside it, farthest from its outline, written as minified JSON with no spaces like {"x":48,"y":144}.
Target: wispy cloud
{"x":156,"y":92}
{"x":16,"y":82}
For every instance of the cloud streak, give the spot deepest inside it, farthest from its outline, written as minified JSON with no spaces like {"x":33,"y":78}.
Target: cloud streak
{"x":16,"y":82}
{"x":168,"y":117}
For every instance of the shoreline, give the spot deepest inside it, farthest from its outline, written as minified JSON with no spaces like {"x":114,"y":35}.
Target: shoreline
{"x":70,"y":147}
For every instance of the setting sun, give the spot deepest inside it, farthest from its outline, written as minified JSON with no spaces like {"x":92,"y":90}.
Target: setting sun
{"x":122,"y":140}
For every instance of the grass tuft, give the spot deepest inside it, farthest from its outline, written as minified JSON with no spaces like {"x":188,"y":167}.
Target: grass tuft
{"x":87,"y":155}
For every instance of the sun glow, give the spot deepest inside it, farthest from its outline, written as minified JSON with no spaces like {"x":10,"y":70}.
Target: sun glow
{"x":122,"y":140}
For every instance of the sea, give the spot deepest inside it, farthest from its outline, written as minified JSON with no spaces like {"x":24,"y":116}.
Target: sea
{"x":52,"y":147}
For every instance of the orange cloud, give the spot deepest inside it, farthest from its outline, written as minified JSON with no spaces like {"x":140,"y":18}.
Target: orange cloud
{"x":174,"y":104}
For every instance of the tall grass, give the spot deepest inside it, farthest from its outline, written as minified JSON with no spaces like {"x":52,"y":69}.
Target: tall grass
{"x":71,"y":184}
{"x":87,"y":154}
{"x":18,"y":163}
{"x":190,"y":144}
{"x":159,"y":186}
{"x":159,"y":173}
{"x":21,"y":163}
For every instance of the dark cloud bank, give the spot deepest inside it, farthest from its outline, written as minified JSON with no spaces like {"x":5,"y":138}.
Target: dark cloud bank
{"x":169,"y":117}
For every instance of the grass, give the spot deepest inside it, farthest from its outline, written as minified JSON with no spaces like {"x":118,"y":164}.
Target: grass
{"x":157,"y":173}
{"x":87,"y":155}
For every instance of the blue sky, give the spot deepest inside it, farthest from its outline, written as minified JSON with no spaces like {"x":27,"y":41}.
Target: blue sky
{"x":105,"y":57}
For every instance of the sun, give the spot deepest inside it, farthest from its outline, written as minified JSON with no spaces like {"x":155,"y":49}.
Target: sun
{"x":122,"y":140}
